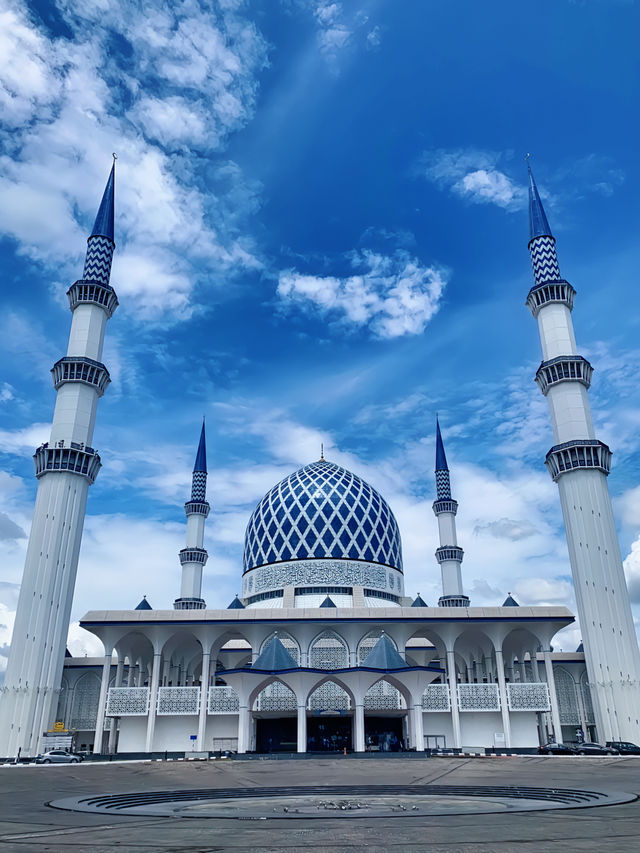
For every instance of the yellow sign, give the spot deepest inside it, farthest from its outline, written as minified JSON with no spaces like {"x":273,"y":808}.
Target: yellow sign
{"x":59,"y":727}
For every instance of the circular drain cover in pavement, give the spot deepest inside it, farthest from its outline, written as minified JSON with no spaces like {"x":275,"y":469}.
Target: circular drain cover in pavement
{"x":341,"y":801}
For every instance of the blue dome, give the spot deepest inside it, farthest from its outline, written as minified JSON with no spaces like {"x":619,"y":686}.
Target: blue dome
{"x":322,"y":511}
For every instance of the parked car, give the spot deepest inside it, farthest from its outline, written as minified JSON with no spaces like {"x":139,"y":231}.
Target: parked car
{"x":595,"y":749}
{"x":624,"y":747}
{"x":557,"y":749}
{"x":57,"y":756}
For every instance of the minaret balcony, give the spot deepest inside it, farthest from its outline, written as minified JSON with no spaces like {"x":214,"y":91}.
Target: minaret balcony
{"x":440,"y":506}
{"x":189,"y":604}
{"x":193,"y":555}
{"x":578,"y":455}
{"x":559,"y":291}
{"x":564,"y":368}
{"x":85,"y":291}
{"x":449,"y":552}
{"x":197,"y":508}
{"x":454,"y":601}
{"x":75,"y":459}
{"x":80,"y":369}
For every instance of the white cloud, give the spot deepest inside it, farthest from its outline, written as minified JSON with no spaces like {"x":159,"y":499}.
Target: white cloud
{"x":391,"y":295}
{"x":71,"y":105}
{"x":473,"y":174}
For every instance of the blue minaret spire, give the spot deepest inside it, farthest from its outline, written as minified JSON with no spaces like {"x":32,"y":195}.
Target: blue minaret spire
{"x":443,"y":485}
{"x":538,"y":222}
{"x":194,"y":556}
{"x":101,"y":243}
{"x":103,"y":226}
{"x":542,"y":244}
{"x":449,"y":555}
{"x":199,"y":478}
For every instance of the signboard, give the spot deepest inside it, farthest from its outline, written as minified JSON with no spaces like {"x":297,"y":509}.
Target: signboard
{"x":193,"y":737}
{"x":59,"y":727}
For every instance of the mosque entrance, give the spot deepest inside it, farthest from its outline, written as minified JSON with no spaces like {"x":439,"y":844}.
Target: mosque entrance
{"x":328,"y":734}
{"x":384,"y":734}
{"x":277,"y":734}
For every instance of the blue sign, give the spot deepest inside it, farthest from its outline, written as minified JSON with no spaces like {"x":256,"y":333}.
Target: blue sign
{"x":193,"y":737}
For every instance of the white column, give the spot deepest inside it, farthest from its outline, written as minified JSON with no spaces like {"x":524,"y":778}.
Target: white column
{"x":114,"y":720}
{"x":358,"y":721}
{"x":453,"y":690}
{"x":502,"y":687}
{"x":102,"y":701}
{"x":204,"y":700}
{"x":555,"y":710}
{"x":243,"y":727}
{"x":418,"y":726}
{"x":534,"y":667}
{"x":523,"y":670}
{"x":153,"y":700}
{"x":302,"y":727}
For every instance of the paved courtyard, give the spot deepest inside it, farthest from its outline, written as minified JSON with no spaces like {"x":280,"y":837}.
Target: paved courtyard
{"x":26,"y":823}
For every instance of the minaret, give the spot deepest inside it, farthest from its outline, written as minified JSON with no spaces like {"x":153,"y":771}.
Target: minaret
{"x":449,"y":554}
{"x":579,"y":463}
{"x":65,"y":467}
{"x":193,"y":556}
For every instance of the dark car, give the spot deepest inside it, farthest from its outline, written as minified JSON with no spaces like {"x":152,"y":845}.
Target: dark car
{"x":624,"y":747}
{"x":557,"y":749}
{"x":595,"y":749}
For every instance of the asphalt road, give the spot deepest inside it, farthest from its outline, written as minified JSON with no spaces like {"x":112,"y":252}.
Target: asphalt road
{"x":28,"y":824}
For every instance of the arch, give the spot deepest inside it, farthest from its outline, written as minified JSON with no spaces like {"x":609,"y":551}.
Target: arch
{"x":329,"y":695}
{"x":287,"y":640}
{"x":368,"y":641}
{"x":567,"y":697}
{"x":587,"y":701}
{"x":84,"y":705}
{"x":386,"y":694}
{"x":328,"y":651}
{"x":274,"y":695}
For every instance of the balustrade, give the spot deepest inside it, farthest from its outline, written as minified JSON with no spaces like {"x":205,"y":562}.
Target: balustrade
{"x":528,"y":697}
{"x":127,"y":702}
{"x":478,"y":697}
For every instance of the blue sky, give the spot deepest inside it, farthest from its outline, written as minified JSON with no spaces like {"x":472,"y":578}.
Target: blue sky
{"x":321,"y":236}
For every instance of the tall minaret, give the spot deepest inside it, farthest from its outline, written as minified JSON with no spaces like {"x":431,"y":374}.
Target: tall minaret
{"x":65,"y":467}
{"x":579,"y":464}
{"x":449,"y":554}
{"x":194,"y":556}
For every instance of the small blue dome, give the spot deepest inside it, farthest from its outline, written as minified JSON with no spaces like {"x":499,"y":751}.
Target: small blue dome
{"x":322,"y":511}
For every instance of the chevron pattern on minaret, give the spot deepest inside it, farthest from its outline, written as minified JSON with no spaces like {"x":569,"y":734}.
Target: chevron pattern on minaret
{"x":199,"y":486}
{"x":97,"y":265}
{"x":544,"y":260}
{"x":443,"y":485}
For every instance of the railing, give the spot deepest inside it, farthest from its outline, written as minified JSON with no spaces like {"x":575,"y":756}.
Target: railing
{"x":528,"y":697}
{"x":223,"y":700}
{"x":436,"y":697}
{"x":127,"y":702}
{"x":178,"y":701}
{"x":478,"y":697}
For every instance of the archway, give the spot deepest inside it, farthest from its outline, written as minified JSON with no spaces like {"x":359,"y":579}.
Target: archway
{"x":385,"y":718}
{"x":275,"y":716}
{"x":329,"y":725}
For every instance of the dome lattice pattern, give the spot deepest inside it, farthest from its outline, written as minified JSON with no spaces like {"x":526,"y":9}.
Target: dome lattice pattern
{"x":322,"y":511}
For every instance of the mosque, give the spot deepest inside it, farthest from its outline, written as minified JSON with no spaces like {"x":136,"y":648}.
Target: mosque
{"x":323,"y":651}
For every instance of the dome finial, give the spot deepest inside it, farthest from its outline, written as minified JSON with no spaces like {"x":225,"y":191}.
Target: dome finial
{"x":538,"y":222}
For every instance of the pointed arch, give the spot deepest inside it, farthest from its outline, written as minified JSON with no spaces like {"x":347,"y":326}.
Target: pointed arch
{"x":273,"y":695}
{"x":328,"y":650}
{"x":329,"y":695}
{"x":567,"y":697}
{"x":386,"y":695}
{"x":84,"y":705}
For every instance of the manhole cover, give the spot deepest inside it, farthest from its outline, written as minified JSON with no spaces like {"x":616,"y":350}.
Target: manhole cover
{"x":341,"y":801}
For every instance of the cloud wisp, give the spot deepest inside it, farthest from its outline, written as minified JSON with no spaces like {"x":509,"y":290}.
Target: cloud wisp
{"x":388,"y":295}
{"x":473,"y":175}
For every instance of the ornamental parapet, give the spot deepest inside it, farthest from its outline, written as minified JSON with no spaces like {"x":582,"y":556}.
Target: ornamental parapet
{"x":449,"y":552}
{"x":454,"y":601}
{"x":92,"y":292}
{"x":559,"y":291}
{"x":575,"y":455}
{"x":189,"y":603}
{"x":193,"y":555}
{"x":564,"y":368}
{"x":197,"y":508}
{"x":445,"y":506}
{"x":478,"y":697}
{"x":81,"y":369}
{"x":75,"y":459}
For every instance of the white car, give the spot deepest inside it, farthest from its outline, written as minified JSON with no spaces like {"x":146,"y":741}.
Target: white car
{"x":57,"y":756}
